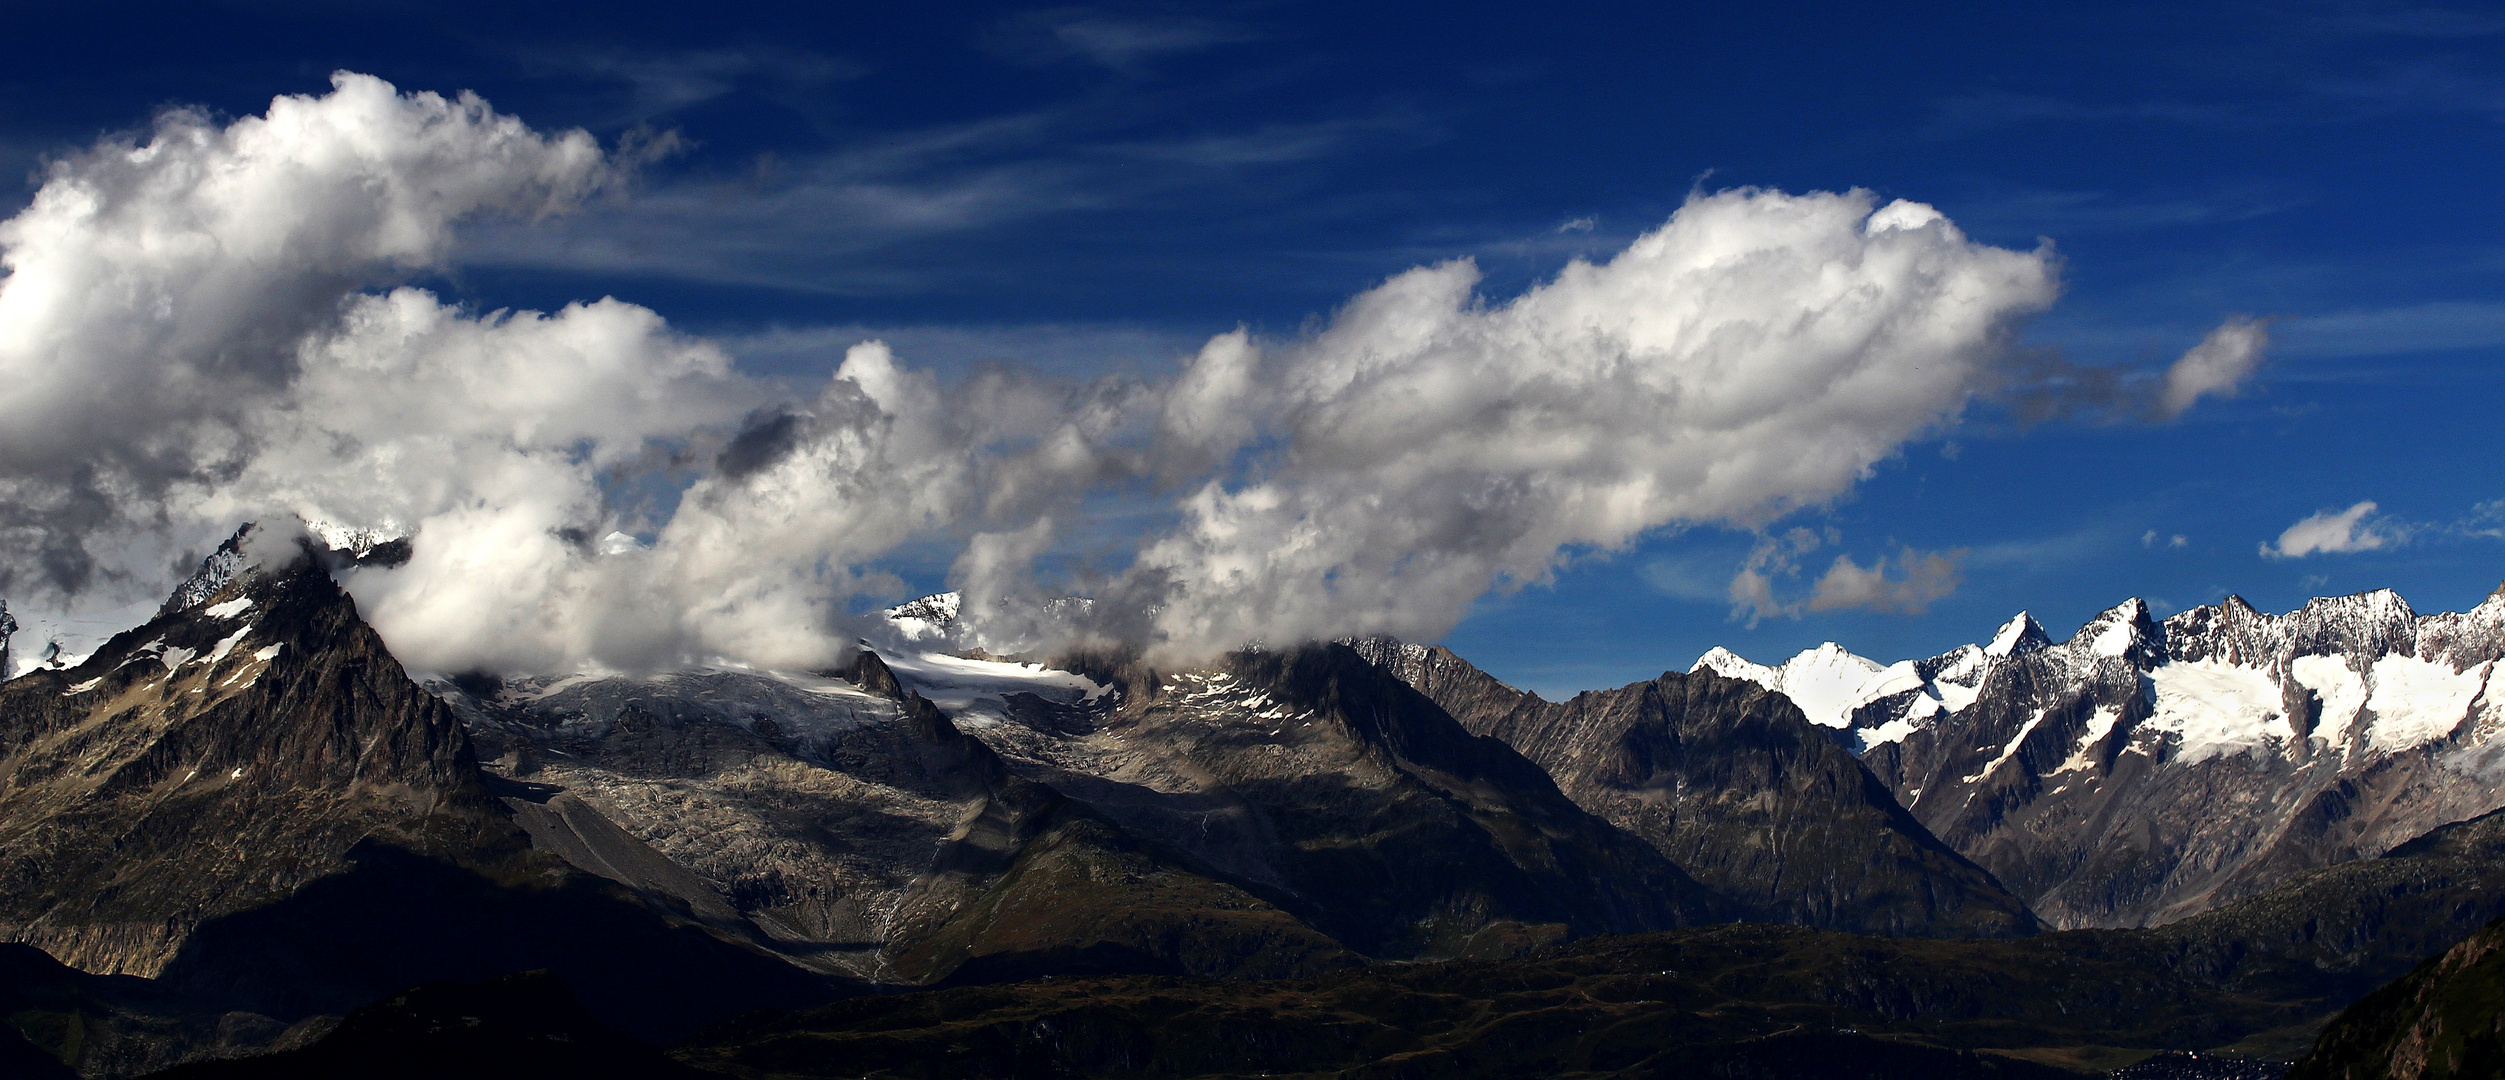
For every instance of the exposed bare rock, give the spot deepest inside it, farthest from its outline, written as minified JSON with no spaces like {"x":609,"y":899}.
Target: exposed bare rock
{"x":1729,"y":781}
{"x":1355,"y":802}
{"x":853,"y":828}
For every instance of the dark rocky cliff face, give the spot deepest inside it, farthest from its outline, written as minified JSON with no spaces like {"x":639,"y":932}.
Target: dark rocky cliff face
{"x":1731,"y":783}
{"x":249,"y":801}
{"x":215,"y":760}
{"x":1454,"y":823}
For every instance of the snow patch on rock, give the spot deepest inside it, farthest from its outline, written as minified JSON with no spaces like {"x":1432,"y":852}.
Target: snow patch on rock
{"x":2214,"y":708}
{"x":2341,"y":689}
{"x":2416,"y":702}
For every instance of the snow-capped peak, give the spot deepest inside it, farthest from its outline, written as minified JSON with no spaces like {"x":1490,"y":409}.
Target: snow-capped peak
{"x":353,"y":539}
{"x":219,"y":568}
{"x":1731,"y":665}
{"x":1827,"y":682}
{"x":928,"y":617}
{"x":2116,"y":629}
{"x":2021,"y":634}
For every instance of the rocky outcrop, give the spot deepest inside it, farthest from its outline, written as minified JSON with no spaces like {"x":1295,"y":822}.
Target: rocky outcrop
{"x":8,"y":629}
{"x":1730,"y":782}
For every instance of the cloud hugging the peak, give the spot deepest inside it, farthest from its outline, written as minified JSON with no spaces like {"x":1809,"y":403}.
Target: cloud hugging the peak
{"x":212,"y":323}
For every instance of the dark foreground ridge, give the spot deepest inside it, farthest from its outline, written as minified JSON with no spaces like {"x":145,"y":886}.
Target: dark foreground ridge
{"x":2444,"y":1021}
{"x":524,"y":1025}
{"x":2229,"y":996}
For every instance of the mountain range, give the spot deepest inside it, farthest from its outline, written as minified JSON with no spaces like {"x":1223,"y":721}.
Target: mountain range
{"x":230,"y":827}
{"x":2142,"y":771}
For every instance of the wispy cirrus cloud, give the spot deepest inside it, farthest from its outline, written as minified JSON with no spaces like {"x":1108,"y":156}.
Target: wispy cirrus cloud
{"x":861,"y":219}
{"x":2025,"y":210}
{"x":2417,"y":21}
{"x":2422,"y":327}
{"x":2362,"y":527}
{"x":652,"y":85}
{"x":1968,"y":115}
{"x":1117,"y":41}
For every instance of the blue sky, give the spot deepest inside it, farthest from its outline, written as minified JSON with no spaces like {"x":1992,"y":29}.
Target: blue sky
{"x":1098,"y":189}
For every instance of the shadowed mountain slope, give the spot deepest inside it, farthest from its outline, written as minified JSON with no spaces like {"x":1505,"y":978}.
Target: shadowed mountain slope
{"x":1729,"y":781}
{"x":1735,"y":1000}
{"x":523,"y":1027}
{"x":853,"y":828}
{"x":2444,"y":1021}
{"x":247,"y":800}
{"x":1357,"y":803}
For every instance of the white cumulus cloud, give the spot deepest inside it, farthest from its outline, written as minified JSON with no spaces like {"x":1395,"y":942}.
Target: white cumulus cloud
{"x":2333,"y":532}
{"x":161,"y":294}
{"x":212,"y":323}
{"x":1756,"y":354}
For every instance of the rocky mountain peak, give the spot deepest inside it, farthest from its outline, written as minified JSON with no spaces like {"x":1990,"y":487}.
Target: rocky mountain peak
{"x":1731,"y":665}
{"x":2336,"y":729}
{"x":2020,"y":635}
{"x":1732,"y":783}
{"x":2123,"y":631}
{"x":872,"y":674}
{"x":226,"y":752}
{"x":926,"y":617}
{"x":217,"y":571}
